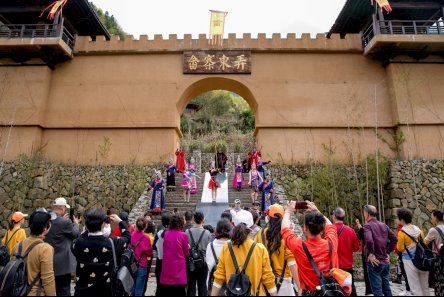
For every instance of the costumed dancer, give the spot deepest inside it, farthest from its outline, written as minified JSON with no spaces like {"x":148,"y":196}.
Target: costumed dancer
{"x":267,"y":194}
{"x":180,"y":161}
{"x":255,"y":181}
{"x":261,"y":166}
{"x":238,"y":179}
{"x":170,"y":169}
{"x":253,"y":157}
{"x":214,"y":182}
{"x":221,"y":161}
{"x":187,"y":184}
{"x":157,"y":198}
{"x":192,"y":167}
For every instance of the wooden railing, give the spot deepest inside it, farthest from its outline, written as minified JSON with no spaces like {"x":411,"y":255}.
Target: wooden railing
{"x":37,"y":31}
{"x":402,"y":28}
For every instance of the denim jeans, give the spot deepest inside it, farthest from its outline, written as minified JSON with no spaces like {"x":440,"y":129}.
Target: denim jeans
{"x":379,"y":277}
{"x":139,"y":282}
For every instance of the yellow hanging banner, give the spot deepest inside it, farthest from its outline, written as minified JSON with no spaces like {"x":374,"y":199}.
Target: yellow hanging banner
{"x":217,"y":24}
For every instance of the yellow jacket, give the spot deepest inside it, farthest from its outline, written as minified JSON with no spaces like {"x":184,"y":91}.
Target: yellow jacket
{"x":405,"y":241}
{"x":39,"y":260}
{"x":19,"y":236}
{"x":280,"y":257}
{"x":258,"y":269}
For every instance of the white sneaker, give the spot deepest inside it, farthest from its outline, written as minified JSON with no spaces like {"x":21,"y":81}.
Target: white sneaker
{"x":405,"y":293}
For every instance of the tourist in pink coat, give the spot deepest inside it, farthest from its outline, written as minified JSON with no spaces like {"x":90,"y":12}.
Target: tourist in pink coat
{"x":173,"y":278}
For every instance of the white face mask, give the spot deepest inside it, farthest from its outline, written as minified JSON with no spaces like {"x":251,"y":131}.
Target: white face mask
{"x":107,"y":230}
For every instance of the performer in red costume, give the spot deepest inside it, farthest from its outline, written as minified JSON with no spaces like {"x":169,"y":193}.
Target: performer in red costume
{"x":180,"y":161}
{"x":253,"y":156}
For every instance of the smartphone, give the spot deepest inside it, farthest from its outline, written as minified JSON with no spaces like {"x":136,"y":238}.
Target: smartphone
{"x":71,"y":214}
{"x":108,"y":220}
{"x":79,"y":215}
{"x":301,"y":205}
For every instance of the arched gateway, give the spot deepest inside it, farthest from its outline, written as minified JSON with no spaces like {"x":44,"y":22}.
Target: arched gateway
{"x":119,"y":101}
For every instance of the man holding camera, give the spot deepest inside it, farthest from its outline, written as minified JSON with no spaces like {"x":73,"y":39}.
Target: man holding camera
{"x":63,"y":231}
{"x":324,"y":250}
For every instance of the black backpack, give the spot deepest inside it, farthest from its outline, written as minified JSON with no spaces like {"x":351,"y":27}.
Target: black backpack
{"x":196,"y":260}
{"x":128,"y":258}
{"x":328,"y":286}
{"x":4,"y":252}
{"x":14,"y":278}
{"x":239,"y":283}
{"x":424,"y":258}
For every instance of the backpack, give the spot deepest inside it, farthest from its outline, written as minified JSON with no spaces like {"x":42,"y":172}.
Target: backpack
{"x":239,"y":283}
{"x":4,"y":252}
{"x":14,"y":277}
{"x":196,"y":260}
{"x":123,"y":278}
{"x":424,"y":258}
{"x":281,"y":279}
{"x":128,"y":258}
{"x":328,"y":286}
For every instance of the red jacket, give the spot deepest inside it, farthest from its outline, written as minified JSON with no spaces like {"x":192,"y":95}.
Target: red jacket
{"x":116,"y":231}
{"x":399,"y":229}
{"x":347,"y":244}
{"x":318,"y":248}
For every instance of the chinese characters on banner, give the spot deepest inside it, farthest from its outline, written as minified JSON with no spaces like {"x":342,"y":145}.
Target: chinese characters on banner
{"x":218,"y":62}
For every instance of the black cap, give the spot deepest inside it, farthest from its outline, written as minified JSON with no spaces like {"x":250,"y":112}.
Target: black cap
{"x":124,"y":216}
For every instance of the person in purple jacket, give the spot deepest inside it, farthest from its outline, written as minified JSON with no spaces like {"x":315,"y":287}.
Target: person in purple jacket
{"x":380,"y":241}
{"x":173,"y":277}
{"x":142,"y":250}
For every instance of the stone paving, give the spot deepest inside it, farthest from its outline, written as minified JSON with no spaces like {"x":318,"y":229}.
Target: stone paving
{"x":360,"y":287}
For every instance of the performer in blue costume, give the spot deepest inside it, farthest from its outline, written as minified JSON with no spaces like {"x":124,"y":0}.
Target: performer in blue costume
{"x":267,"y":194}
{"x":170,"y":169}
{"x":157,"y":198}
{"x":261,"y":166}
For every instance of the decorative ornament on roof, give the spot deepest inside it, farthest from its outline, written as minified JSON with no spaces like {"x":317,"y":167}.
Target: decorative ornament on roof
{"x":384,"y":4}
{"x":55,"y":9}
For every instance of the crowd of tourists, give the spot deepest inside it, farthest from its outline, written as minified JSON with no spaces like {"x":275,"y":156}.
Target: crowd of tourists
{"x":252,"y":251}
{"x":242,"y":256}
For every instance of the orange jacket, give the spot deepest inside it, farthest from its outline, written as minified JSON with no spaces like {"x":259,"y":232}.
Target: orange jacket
{"x":318,"y":248}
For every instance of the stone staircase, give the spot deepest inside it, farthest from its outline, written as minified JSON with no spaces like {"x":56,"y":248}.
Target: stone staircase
{"x":174,"y":199}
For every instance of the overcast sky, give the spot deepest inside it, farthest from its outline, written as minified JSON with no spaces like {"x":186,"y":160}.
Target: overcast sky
{"x":244,"y":16}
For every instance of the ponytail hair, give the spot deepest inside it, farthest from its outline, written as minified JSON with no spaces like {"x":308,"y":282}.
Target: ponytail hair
{"x":11,"y":224}
{"x":274,"y":236}
{"x":240,"y":234}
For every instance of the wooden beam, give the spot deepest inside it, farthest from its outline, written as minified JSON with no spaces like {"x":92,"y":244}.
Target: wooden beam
{"x":415,"y":5}
{"x":21,"y":9}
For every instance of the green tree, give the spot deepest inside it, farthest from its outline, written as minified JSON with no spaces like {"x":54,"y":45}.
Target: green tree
{"x":225,"y":120}
{"x":110,"y":22}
